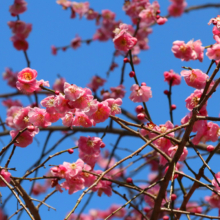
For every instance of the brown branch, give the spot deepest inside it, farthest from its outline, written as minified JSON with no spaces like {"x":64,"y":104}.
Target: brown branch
{"x":189,"y":213}
{"x":12,"y":141}
{"x":17,"y":197}
{"x":27,"y":199}
{"x":128,"y":201}
{"x":50,"y":194}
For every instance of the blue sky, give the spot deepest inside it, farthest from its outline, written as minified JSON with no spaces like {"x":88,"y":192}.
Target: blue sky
{"x":53,"y":26}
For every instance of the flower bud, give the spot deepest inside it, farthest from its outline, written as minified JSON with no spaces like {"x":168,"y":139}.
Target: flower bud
{"x":210,"y":148}
{"x":126,"y":60}
{"x":141,"y":116}
{"x":129,"y":180}
{"x":132,"y":74}
{"x":70,"y":151}
{"x":139,"y":109}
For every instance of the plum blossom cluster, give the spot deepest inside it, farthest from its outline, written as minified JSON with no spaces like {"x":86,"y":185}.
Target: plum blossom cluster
{"x":76,"y":107}
{"x":149,"y":13}
{"x":108,"y":25}
{"x":213,"y":52}
{"x":177,"y":7}
{"x":80,"y":8}
{"x":206,"y":131}
{"x":96,"y":214}
{"x":193,"y":50}
{"x":214,"y":199}
{"x":163,"y":143}
{"x":20,"y":29}
{"x":89,"y":149}
{"x":76,"y":179}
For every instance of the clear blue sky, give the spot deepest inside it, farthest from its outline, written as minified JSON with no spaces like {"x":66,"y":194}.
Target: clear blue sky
{"x":53,"y":26}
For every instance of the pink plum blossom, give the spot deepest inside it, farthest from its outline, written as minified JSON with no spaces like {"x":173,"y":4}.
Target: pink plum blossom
{"x":176,"y":9}
{"x":195,"y":78}
{"x":213,"y":53}
{"x":59,"y":84}
{"x":76,"y":42}
{"x":81,"y":119}
{"x":27,"y":88}
{"x":90,"y":145}
{"x":172,"y":151}
{"x":123,"y":40}
{"x":91,"y":14}
{"x":61,"y":104}
{"x":140,"y":93}
{"x":23,"y":140}
{"x":90,"y":159}
{"x":215,"y":21}
{"x":37,"y":117}
{"x":73,"y":184}
{"x":103,"y":186}
{"x":80,"y":8}
{"x":27,"y":75}
{"x":19,"y":43}
{"x":9,"y":103}
{"x":171,"y":76}
{"x":11,"y":113}
{"x":102,"y":113}
{"x":213,"y":200}
{"x":193,"y":100}
{"x":64,"y":3}
{"x":67,"y":120}
{"x":182,"y":51}
{"x":19,"y":7}
{"x":95,"y":83}
{"x":215,"y":183}
{"x":114,"y":106}
{"x":6,"y":175}
{"x":49,"y":103}
{"x":21,"y":118}
{"x":117,"y":92}
{"x":72,"y":92}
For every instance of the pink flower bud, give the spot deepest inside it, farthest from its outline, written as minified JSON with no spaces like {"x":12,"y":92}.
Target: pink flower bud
{"x":57,"y":92}
{"x":146,"y":209}
{"x":210,"y":148}
{"x":141,"y":116}
{"x":143,"y":84}
{"x":173,"y":107}
{"x":132,"y":74}
{"x":102,"y":145}
{"x":165,"y":217}
{"x":31,"y":128}
{"x":139,"y":109}
{"x":173,"y":197}
{"x":129,"y":180}
{"x":166,"y":92}
{"x":158,"y":16}
{"x":70,"y":151}
{"x":158,"y":12}
{"x":126,"y":60}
